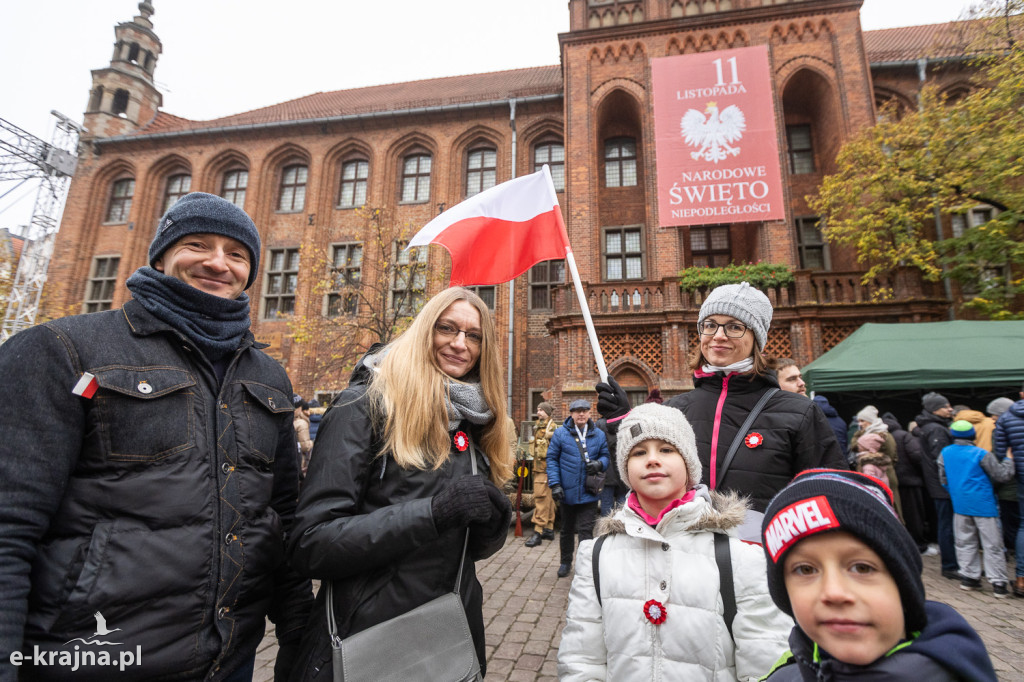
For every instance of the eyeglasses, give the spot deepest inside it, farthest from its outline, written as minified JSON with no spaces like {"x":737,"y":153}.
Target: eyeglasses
{"x":733,"y":330}
{"x":449,"y":330}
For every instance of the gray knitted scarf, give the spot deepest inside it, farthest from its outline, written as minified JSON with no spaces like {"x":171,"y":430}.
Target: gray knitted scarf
{"x":466,"y":401}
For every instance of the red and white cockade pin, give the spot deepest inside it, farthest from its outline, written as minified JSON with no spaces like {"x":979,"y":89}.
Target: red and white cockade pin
{"x":86,"y":386}
{"x":753,"y":439}
{"x":461,"y":441}
{"x":655,"y":612}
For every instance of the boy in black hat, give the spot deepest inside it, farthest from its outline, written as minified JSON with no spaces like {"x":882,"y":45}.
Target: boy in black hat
{"x":841,"y":563}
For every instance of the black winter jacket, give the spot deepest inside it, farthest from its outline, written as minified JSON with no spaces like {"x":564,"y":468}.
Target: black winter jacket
{"x":932,"y":431}
{"x":366,"y":524}
{"x":160,"y":503}
{"x":909,"y":457}
{"x":946,"y":650}
{"x":792,"y":434}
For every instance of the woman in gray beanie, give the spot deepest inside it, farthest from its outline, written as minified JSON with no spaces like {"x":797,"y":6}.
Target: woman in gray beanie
{"x":731,"y":376}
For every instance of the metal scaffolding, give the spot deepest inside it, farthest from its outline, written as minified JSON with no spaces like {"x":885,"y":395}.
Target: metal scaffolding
{"x":25,"y":157}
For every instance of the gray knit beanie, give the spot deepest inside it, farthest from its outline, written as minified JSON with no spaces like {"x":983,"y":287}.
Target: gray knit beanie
{"x":548,"y":408}
{"x":199,"y":212}
{"x":652,"y":420}
{"x":745,"y":303}
{"x":868,"y":414}
{"x":934,"y":401}
{"x":998,"y":406}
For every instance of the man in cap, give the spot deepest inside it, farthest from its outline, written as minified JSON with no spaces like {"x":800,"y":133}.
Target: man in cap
{"x":577,"y":449}
{"x":148,"y":472}
{"x":932,"y":431}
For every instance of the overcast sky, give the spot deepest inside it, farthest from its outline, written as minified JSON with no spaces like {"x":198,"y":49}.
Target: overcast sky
{"x":222,"y":57}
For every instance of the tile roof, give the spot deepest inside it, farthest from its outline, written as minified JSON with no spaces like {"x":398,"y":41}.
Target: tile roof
{"x":884,"y":45}
{"x":452,"y":90}
{"x":949,"y":39}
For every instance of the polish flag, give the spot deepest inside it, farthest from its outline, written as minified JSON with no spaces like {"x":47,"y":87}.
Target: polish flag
{"x":500,"y":233}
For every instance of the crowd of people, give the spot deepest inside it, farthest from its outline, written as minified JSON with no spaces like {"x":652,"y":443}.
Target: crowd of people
{"x":165,"y":492}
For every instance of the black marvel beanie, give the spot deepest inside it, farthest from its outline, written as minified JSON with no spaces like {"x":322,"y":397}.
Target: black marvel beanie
{"x":200,"y":212}
{"x":820,"y":500}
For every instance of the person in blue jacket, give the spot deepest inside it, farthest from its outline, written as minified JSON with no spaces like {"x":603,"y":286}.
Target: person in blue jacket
{"x":577,"y":449}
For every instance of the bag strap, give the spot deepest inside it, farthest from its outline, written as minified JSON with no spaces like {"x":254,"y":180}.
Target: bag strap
{"x":595,"y":562}
{"x":765,"y":397}
{"x":722,"y":558}
{"x":332,"y":625}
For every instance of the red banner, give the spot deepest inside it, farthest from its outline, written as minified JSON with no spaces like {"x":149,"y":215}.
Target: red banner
{"x":714,"y":127}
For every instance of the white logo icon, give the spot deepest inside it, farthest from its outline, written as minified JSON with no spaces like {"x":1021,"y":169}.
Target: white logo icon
{"x":101,"y":631}
{"x":713,"y":133}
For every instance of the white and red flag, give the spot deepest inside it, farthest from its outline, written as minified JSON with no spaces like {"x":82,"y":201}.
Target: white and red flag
{"x":502,"y":232}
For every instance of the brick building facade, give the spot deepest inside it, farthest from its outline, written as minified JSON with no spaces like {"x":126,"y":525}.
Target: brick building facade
{"x":317,"y":171}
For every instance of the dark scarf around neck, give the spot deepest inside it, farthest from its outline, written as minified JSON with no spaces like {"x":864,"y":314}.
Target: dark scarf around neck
{"x":215,"y":325}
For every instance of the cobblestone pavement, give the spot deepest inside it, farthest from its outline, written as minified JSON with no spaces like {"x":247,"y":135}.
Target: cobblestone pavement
{"x":524,"y":611}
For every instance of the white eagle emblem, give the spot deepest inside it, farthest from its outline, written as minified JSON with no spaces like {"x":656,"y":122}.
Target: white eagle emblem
{"x":714,"y":133}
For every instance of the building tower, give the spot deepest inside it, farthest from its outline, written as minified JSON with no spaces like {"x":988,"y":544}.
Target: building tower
{"x":124,"y":96}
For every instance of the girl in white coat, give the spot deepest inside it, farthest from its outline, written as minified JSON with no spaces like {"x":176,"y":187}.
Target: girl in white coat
{"x":660,"y":614}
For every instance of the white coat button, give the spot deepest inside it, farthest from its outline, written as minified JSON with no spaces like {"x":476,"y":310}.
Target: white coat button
{"x":664,"y":585}
{"x":144,"y":387}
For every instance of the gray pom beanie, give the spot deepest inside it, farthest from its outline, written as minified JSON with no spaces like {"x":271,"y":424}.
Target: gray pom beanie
{"x":199,"y":212}
{"x":652,"y":420}
{"x":745,"y":303}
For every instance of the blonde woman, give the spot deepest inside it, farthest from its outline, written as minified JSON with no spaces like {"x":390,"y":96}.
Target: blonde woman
{"x":390,"y":493}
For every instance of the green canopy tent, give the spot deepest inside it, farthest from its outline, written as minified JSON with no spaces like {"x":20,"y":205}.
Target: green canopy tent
{"x":892,"y":365}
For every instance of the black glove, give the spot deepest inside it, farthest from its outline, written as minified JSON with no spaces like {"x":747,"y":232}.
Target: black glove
{"x":557,"y":494}
{"x":593,"y":467}
{"x":287,"y":659}
{"x":501,"y":508}
{"x":483,"y":533}
{"x":612,"y":401}
{"x":460,"y":504}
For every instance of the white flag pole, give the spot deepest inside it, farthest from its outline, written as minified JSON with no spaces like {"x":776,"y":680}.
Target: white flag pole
{"x":580,"y":295}
{"x":591,"y":333}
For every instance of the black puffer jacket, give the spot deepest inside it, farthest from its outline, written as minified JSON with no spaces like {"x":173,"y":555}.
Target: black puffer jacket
{"x":161,"y":502}
{"x":909,"y":457}
{"x":366,"y":524}
{"x":789,"y":435}
{"x":932,"y":432}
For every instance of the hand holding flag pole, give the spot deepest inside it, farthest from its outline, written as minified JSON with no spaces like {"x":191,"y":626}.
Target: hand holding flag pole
{"x":502,"y":232}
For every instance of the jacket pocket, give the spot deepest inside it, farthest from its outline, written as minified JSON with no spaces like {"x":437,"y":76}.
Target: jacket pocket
{"x":145,"y":414}
{"x":264,"y":407}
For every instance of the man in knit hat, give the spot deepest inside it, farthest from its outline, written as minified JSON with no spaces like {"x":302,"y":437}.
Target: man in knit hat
{"x":149,"y":472}
{"x":841,"y":563}
{"x":1009,"y":436}
{"x":544,"y":506}
{"x":968,"y":472}
{"x":932,"y":431}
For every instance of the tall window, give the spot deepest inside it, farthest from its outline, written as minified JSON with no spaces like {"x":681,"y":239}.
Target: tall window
{"x":481,"y":173}
{"x":623,"y":253}
{"x":544,"y":277}
{"x":234,"y":185}
{"x":709,"y":246}
{"x":292,"y":196}
{"x":408,"y":289}
{"x":811,"y":245}
{"x":177,"y":187}
{"x":282,"y":278}
{"x":352,"y":192}
{"x":99,"y":292}
{"x":973,"y":218}
{"x":801,"y":149}
{"x":553,"y":154}
{"x":120,"y":200}
{"x":620,"y":162}
{"x":416,"y":178}
{"x":486,"y":294}
{"x":346,"y":274}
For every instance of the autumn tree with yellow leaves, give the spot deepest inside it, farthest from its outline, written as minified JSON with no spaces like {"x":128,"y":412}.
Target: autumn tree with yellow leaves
{"x":946,"y":158}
